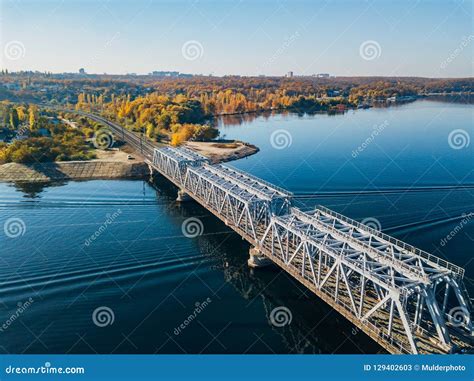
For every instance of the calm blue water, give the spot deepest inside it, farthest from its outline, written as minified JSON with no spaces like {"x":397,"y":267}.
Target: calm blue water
{"x":141,"y":267}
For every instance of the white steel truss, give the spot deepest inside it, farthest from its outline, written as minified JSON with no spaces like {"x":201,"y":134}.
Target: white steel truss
{"x":173,"y":162}
{"x":245,"y":208}
{"x":399,"y":295}
{"x":364,"y":281}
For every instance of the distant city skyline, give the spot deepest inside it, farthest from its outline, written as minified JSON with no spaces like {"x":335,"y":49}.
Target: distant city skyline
{"x":272,"y":38}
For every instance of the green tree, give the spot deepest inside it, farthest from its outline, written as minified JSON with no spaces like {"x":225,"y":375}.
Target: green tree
{"x":32,"y":116}
{"x":14,"y":119}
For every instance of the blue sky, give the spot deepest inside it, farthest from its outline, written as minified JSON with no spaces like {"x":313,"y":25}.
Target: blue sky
{"x":402,"y":38}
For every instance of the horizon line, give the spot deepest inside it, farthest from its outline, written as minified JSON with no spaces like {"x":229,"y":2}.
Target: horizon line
{"x":188,"y":75}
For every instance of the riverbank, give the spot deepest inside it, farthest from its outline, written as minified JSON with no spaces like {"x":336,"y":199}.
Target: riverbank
{"x":111,"y":164}
{"x":223,"y":151}
{"x":71,"y":170}
{"x":115,"y":164}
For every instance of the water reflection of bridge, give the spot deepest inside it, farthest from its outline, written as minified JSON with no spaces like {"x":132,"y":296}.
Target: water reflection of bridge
{"x":405,"y":299}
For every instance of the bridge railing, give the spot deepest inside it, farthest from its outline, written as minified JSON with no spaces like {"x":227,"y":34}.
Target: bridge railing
{"x":283,"y":192}
{"x":376,"y":254}
{"x":411,"y":249}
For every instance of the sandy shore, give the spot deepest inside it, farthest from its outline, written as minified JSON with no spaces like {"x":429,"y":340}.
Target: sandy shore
{"x":220,"y":152}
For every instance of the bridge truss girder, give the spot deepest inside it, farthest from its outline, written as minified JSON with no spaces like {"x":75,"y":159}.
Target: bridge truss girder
{"x":399,"y":295}
{"x":173,"y":163}
{"x":372,"y":293}
{"x":239,"y":209}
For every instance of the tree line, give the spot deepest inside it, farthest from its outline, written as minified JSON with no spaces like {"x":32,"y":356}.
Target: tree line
{"x":32,"y":135}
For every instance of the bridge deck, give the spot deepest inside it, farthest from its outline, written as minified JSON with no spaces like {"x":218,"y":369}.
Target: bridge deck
{"x":400,"y":249}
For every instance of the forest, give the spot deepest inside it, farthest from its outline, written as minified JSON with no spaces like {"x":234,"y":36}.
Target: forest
{"x":178,"y":109}
{"x":37,"y":135}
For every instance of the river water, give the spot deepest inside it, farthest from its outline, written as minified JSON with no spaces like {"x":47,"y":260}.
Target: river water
{"x":104,"y":267}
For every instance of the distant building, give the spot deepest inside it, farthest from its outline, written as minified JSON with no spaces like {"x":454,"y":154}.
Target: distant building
{"x":322,"y":75}
{"x":289,"y":74}
{"x":165,"y":73}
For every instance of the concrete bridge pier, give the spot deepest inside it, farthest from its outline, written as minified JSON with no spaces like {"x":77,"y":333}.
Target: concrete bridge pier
{"x":150,"y":168}
{"x":183,"y":196}
{"x":257,"y":259}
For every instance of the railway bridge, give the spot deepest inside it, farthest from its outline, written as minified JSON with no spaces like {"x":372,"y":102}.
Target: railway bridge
{"x":407,"y":300}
